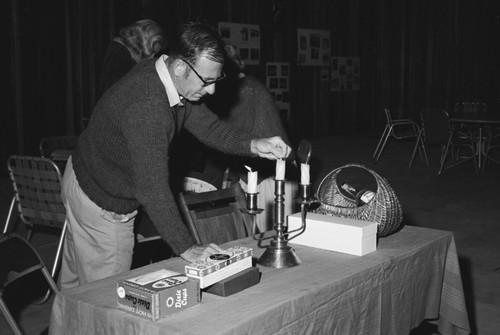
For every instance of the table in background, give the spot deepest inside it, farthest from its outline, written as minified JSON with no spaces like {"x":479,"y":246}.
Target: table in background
{"x":483,"y":127}
{"x":414,"y":275}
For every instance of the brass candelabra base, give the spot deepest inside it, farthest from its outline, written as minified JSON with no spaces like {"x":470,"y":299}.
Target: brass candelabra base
{"x":279,"y":255}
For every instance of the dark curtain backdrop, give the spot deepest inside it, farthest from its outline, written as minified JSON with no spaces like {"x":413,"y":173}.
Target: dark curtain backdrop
{"x":413,"y":54}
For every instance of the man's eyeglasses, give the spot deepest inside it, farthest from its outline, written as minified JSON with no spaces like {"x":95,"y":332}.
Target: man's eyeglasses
{"x":206,"y":82}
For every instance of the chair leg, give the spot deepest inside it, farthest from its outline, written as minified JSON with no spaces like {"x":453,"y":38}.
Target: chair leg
{"x":381,"y":143}
{"x":225,"y":180}
{"x":50,"y":280}
{"x":475,"y":154}
{"x":420,"y":145}
{"x":30,"y":234}
{"x":424,"y":152}
{"x":11,"y":209}
{"x":444,"y":154}
{"x":10,"y":319}
{"x":414,"y":151}
{"x":55,"y":267}
{"x":52,"y":288}
{"x":488,"y":146}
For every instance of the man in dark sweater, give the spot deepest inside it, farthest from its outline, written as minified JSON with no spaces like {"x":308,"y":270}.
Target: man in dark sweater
{"x":121,"y":160}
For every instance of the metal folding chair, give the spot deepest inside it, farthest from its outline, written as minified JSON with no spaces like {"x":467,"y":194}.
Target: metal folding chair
{"x":216,"y":216}
{"x":469,"y":111}
{"x":399,"y":129}
{"x":18,"y":259}
{"x":492,"y":146}
{"x":37,"y":192}
{"x":436,"y":130}
{"x":146,"y":232}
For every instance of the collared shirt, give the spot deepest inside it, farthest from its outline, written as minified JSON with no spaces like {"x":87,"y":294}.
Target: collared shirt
{"x":173,"y":96}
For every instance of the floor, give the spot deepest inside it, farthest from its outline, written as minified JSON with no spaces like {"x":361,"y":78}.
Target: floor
{"x":460,"y":200}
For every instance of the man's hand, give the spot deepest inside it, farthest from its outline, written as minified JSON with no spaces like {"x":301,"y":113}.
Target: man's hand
{"x":201,"y":252}
{"x":270,"y":148}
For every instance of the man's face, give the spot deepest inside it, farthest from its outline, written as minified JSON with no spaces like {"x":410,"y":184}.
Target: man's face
{"x":199,"y":79}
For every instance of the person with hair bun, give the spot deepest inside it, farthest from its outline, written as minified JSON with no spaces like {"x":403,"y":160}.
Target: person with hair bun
{"x":143,"y":39}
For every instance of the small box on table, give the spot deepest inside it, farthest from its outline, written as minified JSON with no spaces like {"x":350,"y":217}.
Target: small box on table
{"x":157,"y":294}
{"x":235,"y":283}
{"x":220,"y":266}
{"x":349,"y":236}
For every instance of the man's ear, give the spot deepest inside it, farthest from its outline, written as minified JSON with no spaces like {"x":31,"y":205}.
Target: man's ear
{"x":179,"y":67}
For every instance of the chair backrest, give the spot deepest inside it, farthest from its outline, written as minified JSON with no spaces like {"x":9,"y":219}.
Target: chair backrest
{"x":216,"y":216}
{"x":37,"y":188}
{"x":388,"y":115}
{"x":435,"y":125}
{"x":18,"y":259}
{"x":470,"y":110}
{"x":49,"y":144}
{"x":144,"y":228}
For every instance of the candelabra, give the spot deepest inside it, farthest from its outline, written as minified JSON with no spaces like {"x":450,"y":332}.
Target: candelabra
{"x":278,"y":253}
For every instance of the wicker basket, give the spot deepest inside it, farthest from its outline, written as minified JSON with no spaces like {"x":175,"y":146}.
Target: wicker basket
{"x":384,"y":208}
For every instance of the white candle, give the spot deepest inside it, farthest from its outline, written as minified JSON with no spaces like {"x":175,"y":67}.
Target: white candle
{"x":252,"y":180}
{"x":280,"y":169}
{"x":304,"y":174}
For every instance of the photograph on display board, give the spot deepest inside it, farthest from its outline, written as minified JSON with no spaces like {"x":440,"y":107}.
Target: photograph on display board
{"x":271,"y":70}
{"x":325,"y":74}
{"x":277,"y":81}
{"x":313,"y":47}
{"x":345,"y":74}
{"x":284,"y":70}
{"x":246,"y":37}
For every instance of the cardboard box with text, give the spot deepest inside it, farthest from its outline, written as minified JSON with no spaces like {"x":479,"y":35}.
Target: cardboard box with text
{"x":157,"y":294}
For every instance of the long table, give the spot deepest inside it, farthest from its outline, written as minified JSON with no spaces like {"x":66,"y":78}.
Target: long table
{"x":413,"y":276}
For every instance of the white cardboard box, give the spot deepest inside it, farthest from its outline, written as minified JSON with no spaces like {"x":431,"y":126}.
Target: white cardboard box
{"x":349,"y":236}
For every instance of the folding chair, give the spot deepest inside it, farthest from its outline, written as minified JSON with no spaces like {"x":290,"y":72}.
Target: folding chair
{"x":145,"y":231}
{"x":492,"y":146}
{"x":436,"y":130}
{"x":400,"y":129}
{"x":216,"y":216}
{"x":18,"y":259}
{"x":37,"y":192}
{"x":469,"y":111}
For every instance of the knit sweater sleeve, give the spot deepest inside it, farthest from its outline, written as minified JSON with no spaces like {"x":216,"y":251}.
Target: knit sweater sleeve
{"x":149,"y":129}
{"x":257,"y":112}
{"x":255,"y":99}
{"x":218,"y":134}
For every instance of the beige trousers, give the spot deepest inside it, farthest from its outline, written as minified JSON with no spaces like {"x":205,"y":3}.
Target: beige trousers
{"x":98,"y":243}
